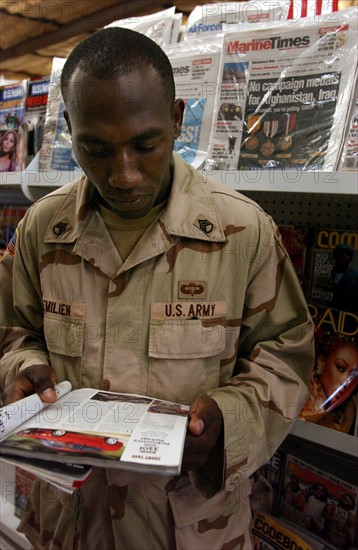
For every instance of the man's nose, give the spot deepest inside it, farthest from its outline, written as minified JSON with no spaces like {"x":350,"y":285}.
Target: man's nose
{"x":125,"y":172}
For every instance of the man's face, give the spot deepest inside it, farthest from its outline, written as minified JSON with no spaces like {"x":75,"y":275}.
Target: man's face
{"x":123,"y":132}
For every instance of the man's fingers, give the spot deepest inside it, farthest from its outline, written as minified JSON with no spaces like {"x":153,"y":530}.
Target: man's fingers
{"x":43,"y":380}
{"x":38,"y":379}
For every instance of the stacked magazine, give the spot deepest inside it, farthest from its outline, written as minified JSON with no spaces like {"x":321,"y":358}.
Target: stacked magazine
{"x":88,"y":427}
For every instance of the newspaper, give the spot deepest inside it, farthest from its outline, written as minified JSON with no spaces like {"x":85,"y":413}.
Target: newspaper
{"x":56,"y":150}
{"x":349,"y":157}
{"x":209,"y":19}
{"x":162,"y":27}
{"x":196,"y":70}
{"x":284,"y":90}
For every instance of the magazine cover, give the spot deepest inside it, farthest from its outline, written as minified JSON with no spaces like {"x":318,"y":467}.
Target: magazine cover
{"x":196,"y":70}
{"x":35,"y":112}
{"x":320,"y":503}
{"x":333,"y":268}
{"x":294,"y":239}
{"x":56,"y":150}
{"x":23,"y":484}
{"x":12,"y":112}
{"x":285,"y":89}
{"x":270,"y":534}
{"x":265,"y":485}
{"x":334,"y":378}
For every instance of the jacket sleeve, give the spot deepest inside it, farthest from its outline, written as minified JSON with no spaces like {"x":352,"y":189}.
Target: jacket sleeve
{"x":22,"y":342}
{"x":274,"y":349}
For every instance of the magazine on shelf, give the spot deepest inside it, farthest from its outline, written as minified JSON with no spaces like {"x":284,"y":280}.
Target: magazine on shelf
{"x":12,"y":138}
{"x":285,"y":89}
{"x":95,"y":428}
{"x":24,"y":481}
{"x":35,"y":112}
{"x":195,"y":69}
{"x":265,"y":485}
{"x":334,"y":377}
{"x":294,"y":237}
{"x":269,"y":533}
{"x":56,"y":149}
{"x":320,"y":503}
{"x":332,"y":268}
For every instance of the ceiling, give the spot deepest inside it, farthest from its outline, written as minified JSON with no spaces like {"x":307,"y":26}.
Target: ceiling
{"x":32,"y":32}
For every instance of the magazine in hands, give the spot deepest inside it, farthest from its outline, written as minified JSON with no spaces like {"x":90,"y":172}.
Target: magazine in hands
{"x":89,"y":427}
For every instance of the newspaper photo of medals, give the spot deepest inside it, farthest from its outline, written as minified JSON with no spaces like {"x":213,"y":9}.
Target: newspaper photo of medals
{"x":284,"y":90}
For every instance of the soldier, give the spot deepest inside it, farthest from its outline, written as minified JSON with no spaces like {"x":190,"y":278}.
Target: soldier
{"x":146,"y":277}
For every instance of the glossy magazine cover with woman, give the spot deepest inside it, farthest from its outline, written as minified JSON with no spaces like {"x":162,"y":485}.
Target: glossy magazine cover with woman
{"x":334,"y":379}
{"x":12,"y":110}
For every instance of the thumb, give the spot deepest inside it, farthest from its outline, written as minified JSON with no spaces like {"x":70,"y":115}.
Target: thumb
{"x":196,"y":423}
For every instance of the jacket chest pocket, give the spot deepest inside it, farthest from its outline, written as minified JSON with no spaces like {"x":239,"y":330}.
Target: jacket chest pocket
{"x":184,"y":357}
{"x":64,"y":335}
{"x":186,"y":339}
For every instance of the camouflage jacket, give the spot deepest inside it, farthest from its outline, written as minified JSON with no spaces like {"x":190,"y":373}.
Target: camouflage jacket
{"x":207,"y":303}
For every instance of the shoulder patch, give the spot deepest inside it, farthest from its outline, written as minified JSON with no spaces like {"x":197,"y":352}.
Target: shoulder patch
{"x":11,"y":247}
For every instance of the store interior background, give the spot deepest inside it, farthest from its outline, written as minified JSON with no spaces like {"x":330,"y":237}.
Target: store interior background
{"x":33,"y":32}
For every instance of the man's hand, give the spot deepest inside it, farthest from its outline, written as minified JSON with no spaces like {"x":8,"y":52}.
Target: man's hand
{"x":204,"y":432}
{"x":35,"y":379}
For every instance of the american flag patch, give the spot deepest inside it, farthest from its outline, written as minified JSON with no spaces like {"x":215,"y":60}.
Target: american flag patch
{"x":11,"y":247}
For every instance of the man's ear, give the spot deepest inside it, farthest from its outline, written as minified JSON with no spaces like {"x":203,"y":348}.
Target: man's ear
{"x":68,"y":122}
{"x":178,"y":116}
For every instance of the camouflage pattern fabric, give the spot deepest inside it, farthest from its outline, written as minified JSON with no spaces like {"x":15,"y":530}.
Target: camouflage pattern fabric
{"x":207,"y":303}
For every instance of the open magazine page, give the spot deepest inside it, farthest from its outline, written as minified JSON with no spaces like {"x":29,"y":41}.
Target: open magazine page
{"x":207,"y":20}
{"x":88,"y":426}
{"x":14,"y":415}
{"x":285,"y":89}
{"x":196,"y":69}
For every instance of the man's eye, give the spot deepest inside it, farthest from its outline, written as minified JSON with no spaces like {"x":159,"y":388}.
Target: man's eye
{"x":144,"y":148}
{"x":96,"y":152}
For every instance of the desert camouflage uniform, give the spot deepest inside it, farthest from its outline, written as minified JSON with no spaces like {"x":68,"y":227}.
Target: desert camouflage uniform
{"x":206,"y":304}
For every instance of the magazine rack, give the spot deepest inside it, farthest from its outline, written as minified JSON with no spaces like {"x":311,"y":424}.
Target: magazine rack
{"x":295,"y":197}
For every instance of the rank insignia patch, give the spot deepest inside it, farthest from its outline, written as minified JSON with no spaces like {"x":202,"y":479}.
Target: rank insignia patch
{"x":204,"y":225}
{"x":61,"y":227}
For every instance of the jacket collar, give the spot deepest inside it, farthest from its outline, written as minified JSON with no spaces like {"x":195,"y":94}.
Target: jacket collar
{"x":191,"y":213}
